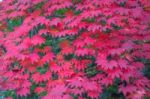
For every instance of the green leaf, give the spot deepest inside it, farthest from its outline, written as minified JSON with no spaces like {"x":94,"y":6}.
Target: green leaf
{"x":10,"y":93}
{"x":43,"y":93}
{"x":48,"y":42}
{"x":43,"y":70}
{"x":113,"y":89}
{"x":13,"y":23}
{"x":90,"y":20}
{"x":32,"y":88}
{"x":68,"y":57}
{"x":103,"y":22}
{"x":39,"y":5}
{"x":77,"y":12}
{"x":91,"y":71}
{"x":61,"y":11}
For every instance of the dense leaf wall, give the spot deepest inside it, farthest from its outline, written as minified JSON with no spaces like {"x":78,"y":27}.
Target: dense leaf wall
{"x":74,"y":49}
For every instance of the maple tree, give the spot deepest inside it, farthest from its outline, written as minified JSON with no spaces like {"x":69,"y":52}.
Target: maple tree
{"x":65,"y":49}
